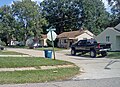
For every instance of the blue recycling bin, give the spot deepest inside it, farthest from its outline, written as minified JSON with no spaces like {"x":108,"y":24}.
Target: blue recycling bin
{"x":48,"y":53}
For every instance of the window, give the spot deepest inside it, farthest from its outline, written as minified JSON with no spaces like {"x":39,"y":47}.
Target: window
{"x":65,"y":41}
{"x":107,"y":38}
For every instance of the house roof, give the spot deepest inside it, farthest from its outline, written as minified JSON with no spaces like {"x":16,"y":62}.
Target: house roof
{"x":117,"y":27}
{"x":71,"y":34}
{"x":43,"y":36}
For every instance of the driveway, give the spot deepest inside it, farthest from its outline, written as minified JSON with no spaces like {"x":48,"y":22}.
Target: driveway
{"x":91,"y":68}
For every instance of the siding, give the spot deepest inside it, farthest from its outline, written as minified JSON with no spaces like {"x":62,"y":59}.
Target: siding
{"x":108,"y":32}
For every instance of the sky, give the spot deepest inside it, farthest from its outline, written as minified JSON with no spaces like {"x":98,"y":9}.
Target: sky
{"x":8,"y":2}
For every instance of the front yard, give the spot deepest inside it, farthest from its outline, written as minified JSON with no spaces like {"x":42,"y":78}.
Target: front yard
{"x":5,"y":52}
{"x":33,"y":76}
{"x":12,"y":62}
{"x":114,"y":55}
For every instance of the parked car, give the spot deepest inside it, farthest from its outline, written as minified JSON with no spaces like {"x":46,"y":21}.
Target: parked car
{"x":91,"y":46}
{"x":34,"y":45}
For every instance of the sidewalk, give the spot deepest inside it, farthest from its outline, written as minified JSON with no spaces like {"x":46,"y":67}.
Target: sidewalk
{"x":34,"y":68}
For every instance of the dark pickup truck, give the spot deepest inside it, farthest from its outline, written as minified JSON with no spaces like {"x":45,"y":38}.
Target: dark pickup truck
{"x":91,"y":46}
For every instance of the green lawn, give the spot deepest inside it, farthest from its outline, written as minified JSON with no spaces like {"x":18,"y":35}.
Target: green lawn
{"x":4,"y":52}
{"x":11,"y":62}
{"x":50,"y":48}
{"x":114,"y":55}
{"x":37,"y":75}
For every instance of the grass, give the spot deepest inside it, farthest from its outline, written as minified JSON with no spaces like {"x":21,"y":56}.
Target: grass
{"x":4,"y":52}
{"x":50,"y":48}
{"x":37,"y":76}
{"x":12,"y":62}
{"x":114,"y":55}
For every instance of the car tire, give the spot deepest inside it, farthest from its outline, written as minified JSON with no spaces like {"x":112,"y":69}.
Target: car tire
{"x":73,"y":52}
{"x":104,"y":54}
{"x":93,"y":53}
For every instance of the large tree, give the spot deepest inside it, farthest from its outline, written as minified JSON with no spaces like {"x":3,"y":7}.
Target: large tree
{"x":115,"y":9}
{"x":68,"y":15}
{"x":28,"y":14}
{"x":7,"y":22}
{"x":64,"y":15}
{"x":95,"y":15}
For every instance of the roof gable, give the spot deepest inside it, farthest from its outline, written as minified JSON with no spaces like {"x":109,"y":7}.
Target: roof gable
{"x":118,"y":26}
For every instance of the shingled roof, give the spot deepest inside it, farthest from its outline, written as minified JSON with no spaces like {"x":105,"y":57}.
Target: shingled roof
{"x":71,"y":34}
{"x":117,"y":27}
{"x":43,"y":36}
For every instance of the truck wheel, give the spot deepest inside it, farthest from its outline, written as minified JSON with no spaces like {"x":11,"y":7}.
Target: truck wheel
{"x":73,"y":52}
{"x":93,"y":53}
{"x":103,"y":53}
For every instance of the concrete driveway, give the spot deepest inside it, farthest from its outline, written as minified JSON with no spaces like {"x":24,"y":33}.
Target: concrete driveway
{"x":91,"y":68}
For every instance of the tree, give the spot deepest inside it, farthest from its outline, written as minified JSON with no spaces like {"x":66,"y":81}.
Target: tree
{"x":64,"y":15}
{"x":115,"y":9}
{"x":95,"y":15}
{"x":115,"y":6}
{"x":7,"y":22}
{"x":28,"y":14}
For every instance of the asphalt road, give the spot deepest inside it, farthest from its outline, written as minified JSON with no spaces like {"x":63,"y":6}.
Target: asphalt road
{"x":111,"y":82}
{"x":94,"y":71}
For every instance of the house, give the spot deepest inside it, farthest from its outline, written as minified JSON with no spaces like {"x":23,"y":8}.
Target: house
{"x":111,"y":35}
{"x":66,"y":39}
{"x":35,"y":41}
{"x":43,"y":40}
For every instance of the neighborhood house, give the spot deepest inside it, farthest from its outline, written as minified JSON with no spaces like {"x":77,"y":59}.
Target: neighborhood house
{"x":111,"y":35}
{"x":43,"y":40}
{"x":66,"y":39}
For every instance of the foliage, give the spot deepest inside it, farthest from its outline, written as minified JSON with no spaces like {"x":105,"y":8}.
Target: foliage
{"x":28,"y":14}
{"x":20,"y":21}
{"x":95,"y":15}
{"x":115,"y":6}
{"x":115,"y":9}
{"x":68,"y":15}
{"x":7,"y":22}
{"x":64,"y":15}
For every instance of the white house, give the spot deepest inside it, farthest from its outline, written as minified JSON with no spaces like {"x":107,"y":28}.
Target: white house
{"x":65,"y":39}
{"x":111,"y":35}
{"x":43,"y":40}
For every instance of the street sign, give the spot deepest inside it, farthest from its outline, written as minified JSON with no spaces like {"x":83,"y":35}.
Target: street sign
{"x":51,"y":35}
{"x":54,"y":35}
{"x":51,"y":29}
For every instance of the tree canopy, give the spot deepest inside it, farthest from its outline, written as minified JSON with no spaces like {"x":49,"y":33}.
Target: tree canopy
{"x":68,"y":15}
{"x":115,"y":9}
{"x":26,"y":18}
{"x":21,"y":20}
{"x":64,"y":15}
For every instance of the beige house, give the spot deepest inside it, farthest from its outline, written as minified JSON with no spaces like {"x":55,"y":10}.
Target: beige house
{"x":111,"y":35}
{"x":43,"y":40}
{"x":66,"y":39}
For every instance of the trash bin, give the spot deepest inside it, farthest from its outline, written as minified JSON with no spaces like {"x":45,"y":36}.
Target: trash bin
{"x":48,"y":53}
